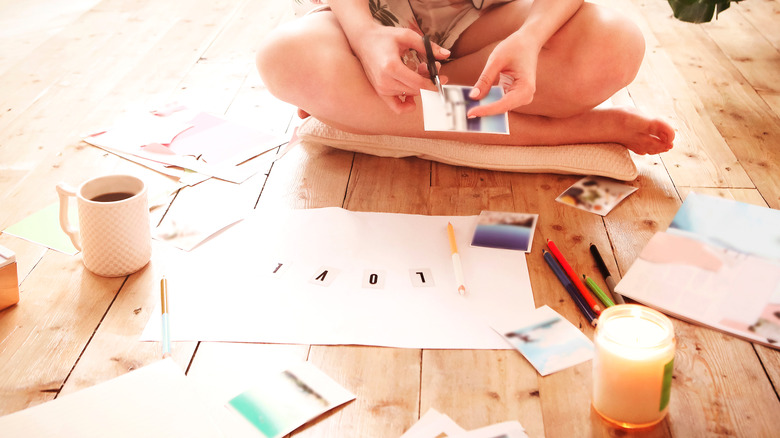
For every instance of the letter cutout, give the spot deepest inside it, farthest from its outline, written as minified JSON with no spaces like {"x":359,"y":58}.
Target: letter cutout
{"x":278,"y":269}
{"x":324,"y":276}
{"x":373,"y":279}
{"x":421,"y":277}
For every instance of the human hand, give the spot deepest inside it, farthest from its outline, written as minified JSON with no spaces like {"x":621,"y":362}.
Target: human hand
{"x":380,"y":51}
{"x":515,"y":63}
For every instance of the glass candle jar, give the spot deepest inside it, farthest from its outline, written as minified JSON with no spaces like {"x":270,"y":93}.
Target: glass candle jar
{"x":632,"y":365}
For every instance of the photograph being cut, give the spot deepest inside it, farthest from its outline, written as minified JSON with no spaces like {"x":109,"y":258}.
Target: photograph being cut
{"x":449,"y":111}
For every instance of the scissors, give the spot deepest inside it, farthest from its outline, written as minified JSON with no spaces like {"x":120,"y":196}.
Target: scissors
{"x":432,"y":70}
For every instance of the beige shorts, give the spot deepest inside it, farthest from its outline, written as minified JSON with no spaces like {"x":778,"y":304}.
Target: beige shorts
{"x":442,"y":20}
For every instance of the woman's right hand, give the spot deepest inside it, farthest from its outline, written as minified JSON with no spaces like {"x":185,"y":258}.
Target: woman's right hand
{"x":380,"y":50}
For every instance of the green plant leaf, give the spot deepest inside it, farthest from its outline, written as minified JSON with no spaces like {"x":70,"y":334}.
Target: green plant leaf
{"x":698,"y":11}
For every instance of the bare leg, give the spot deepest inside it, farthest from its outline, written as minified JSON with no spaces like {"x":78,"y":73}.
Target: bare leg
{"x":309,"y":63}
{"x":595,"y":54}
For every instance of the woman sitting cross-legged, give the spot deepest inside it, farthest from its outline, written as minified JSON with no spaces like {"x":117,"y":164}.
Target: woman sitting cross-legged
{"x":347,"y":64}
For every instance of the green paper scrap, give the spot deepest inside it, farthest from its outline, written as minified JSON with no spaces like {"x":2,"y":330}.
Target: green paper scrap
{"x":43,"y":228}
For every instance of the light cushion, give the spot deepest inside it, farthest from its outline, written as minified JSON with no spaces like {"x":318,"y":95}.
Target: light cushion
{"x":603,"y":159}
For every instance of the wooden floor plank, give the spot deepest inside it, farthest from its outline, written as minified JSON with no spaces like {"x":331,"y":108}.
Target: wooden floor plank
{"x":230,"y":57}
{"x":756,"y":59}
{"x":705,"y":366}
{"x":47,"y":332}
{"x":26,"y":25}
{"x":494,"y":386}
{"x":389,"y":185}
{"x":77,"y":55}
{"x":307,"y":176}
{"x":741,"y":116}
{"x":386,"y":382}
{"x":762,"y":14}
{"x":773,"y":101}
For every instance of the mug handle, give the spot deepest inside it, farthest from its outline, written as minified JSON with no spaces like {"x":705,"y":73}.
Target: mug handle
{"x":65,"y":191}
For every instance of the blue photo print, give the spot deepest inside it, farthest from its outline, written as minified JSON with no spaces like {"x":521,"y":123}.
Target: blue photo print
{"x":505,"y":230}
{"x":549,"y":341}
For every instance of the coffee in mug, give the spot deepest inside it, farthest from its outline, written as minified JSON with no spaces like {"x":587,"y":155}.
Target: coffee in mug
{"x":113,"y":235}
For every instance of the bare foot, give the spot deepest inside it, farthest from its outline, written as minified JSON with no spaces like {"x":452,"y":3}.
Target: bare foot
{"x":637,"y":132}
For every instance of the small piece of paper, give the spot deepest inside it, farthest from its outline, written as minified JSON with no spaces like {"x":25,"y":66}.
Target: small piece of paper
{"x":449,"y":113}
{"x":43,"y":228}
{"x":505,"y":230}
{"x":434,"y":424}
{"x":547,"y":340}
{"x":281,"y":403}
{"x":595,"y":194}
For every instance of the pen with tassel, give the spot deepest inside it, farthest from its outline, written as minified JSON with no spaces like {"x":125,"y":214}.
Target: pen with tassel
{"x":166,"y":329}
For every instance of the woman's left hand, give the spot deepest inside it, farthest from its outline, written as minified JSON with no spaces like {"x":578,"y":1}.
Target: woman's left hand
{"x":515,"y":62}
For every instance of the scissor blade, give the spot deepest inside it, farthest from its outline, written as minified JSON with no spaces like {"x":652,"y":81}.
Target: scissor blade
{"x":441,"y":89}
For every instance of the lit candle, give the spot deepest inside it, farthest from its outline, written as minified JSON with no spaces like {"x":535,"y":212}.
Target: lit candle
{"x":632,"y":366}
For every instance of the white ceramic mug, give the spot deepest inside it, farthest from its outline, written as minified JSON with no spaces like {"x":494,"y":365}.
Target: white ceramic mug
{"x":113,"y":235}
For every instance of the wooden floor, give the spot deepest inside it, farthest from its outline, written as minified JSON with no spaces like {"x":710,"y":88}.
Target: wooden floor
{"x":71,"y":68}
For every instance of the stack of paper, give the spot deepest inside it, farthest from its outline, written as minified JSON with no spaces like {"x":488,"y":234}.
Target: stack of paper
{"x":718,"y":265}
{"x":196,"y":141}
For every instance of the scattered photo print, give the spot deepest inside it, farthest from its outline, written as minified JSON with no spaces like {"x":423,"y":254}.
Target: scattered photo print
{"x":595,"y":194}
{"x":548,"y":341}
{"x":281,"y":403}
{"x":505,"y":230}
{"x":448,"y":113}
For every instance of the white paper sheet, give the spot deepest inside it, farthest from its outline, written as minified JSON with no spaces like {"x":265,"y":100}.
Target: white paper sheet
{"x":155,"y":400}
{"x":345,"y":278}
{"x":434,"y":424}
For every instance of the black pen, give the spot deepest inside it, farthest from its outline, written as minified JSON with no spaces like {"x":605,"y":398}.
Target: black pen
{"x":594,"y":251}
